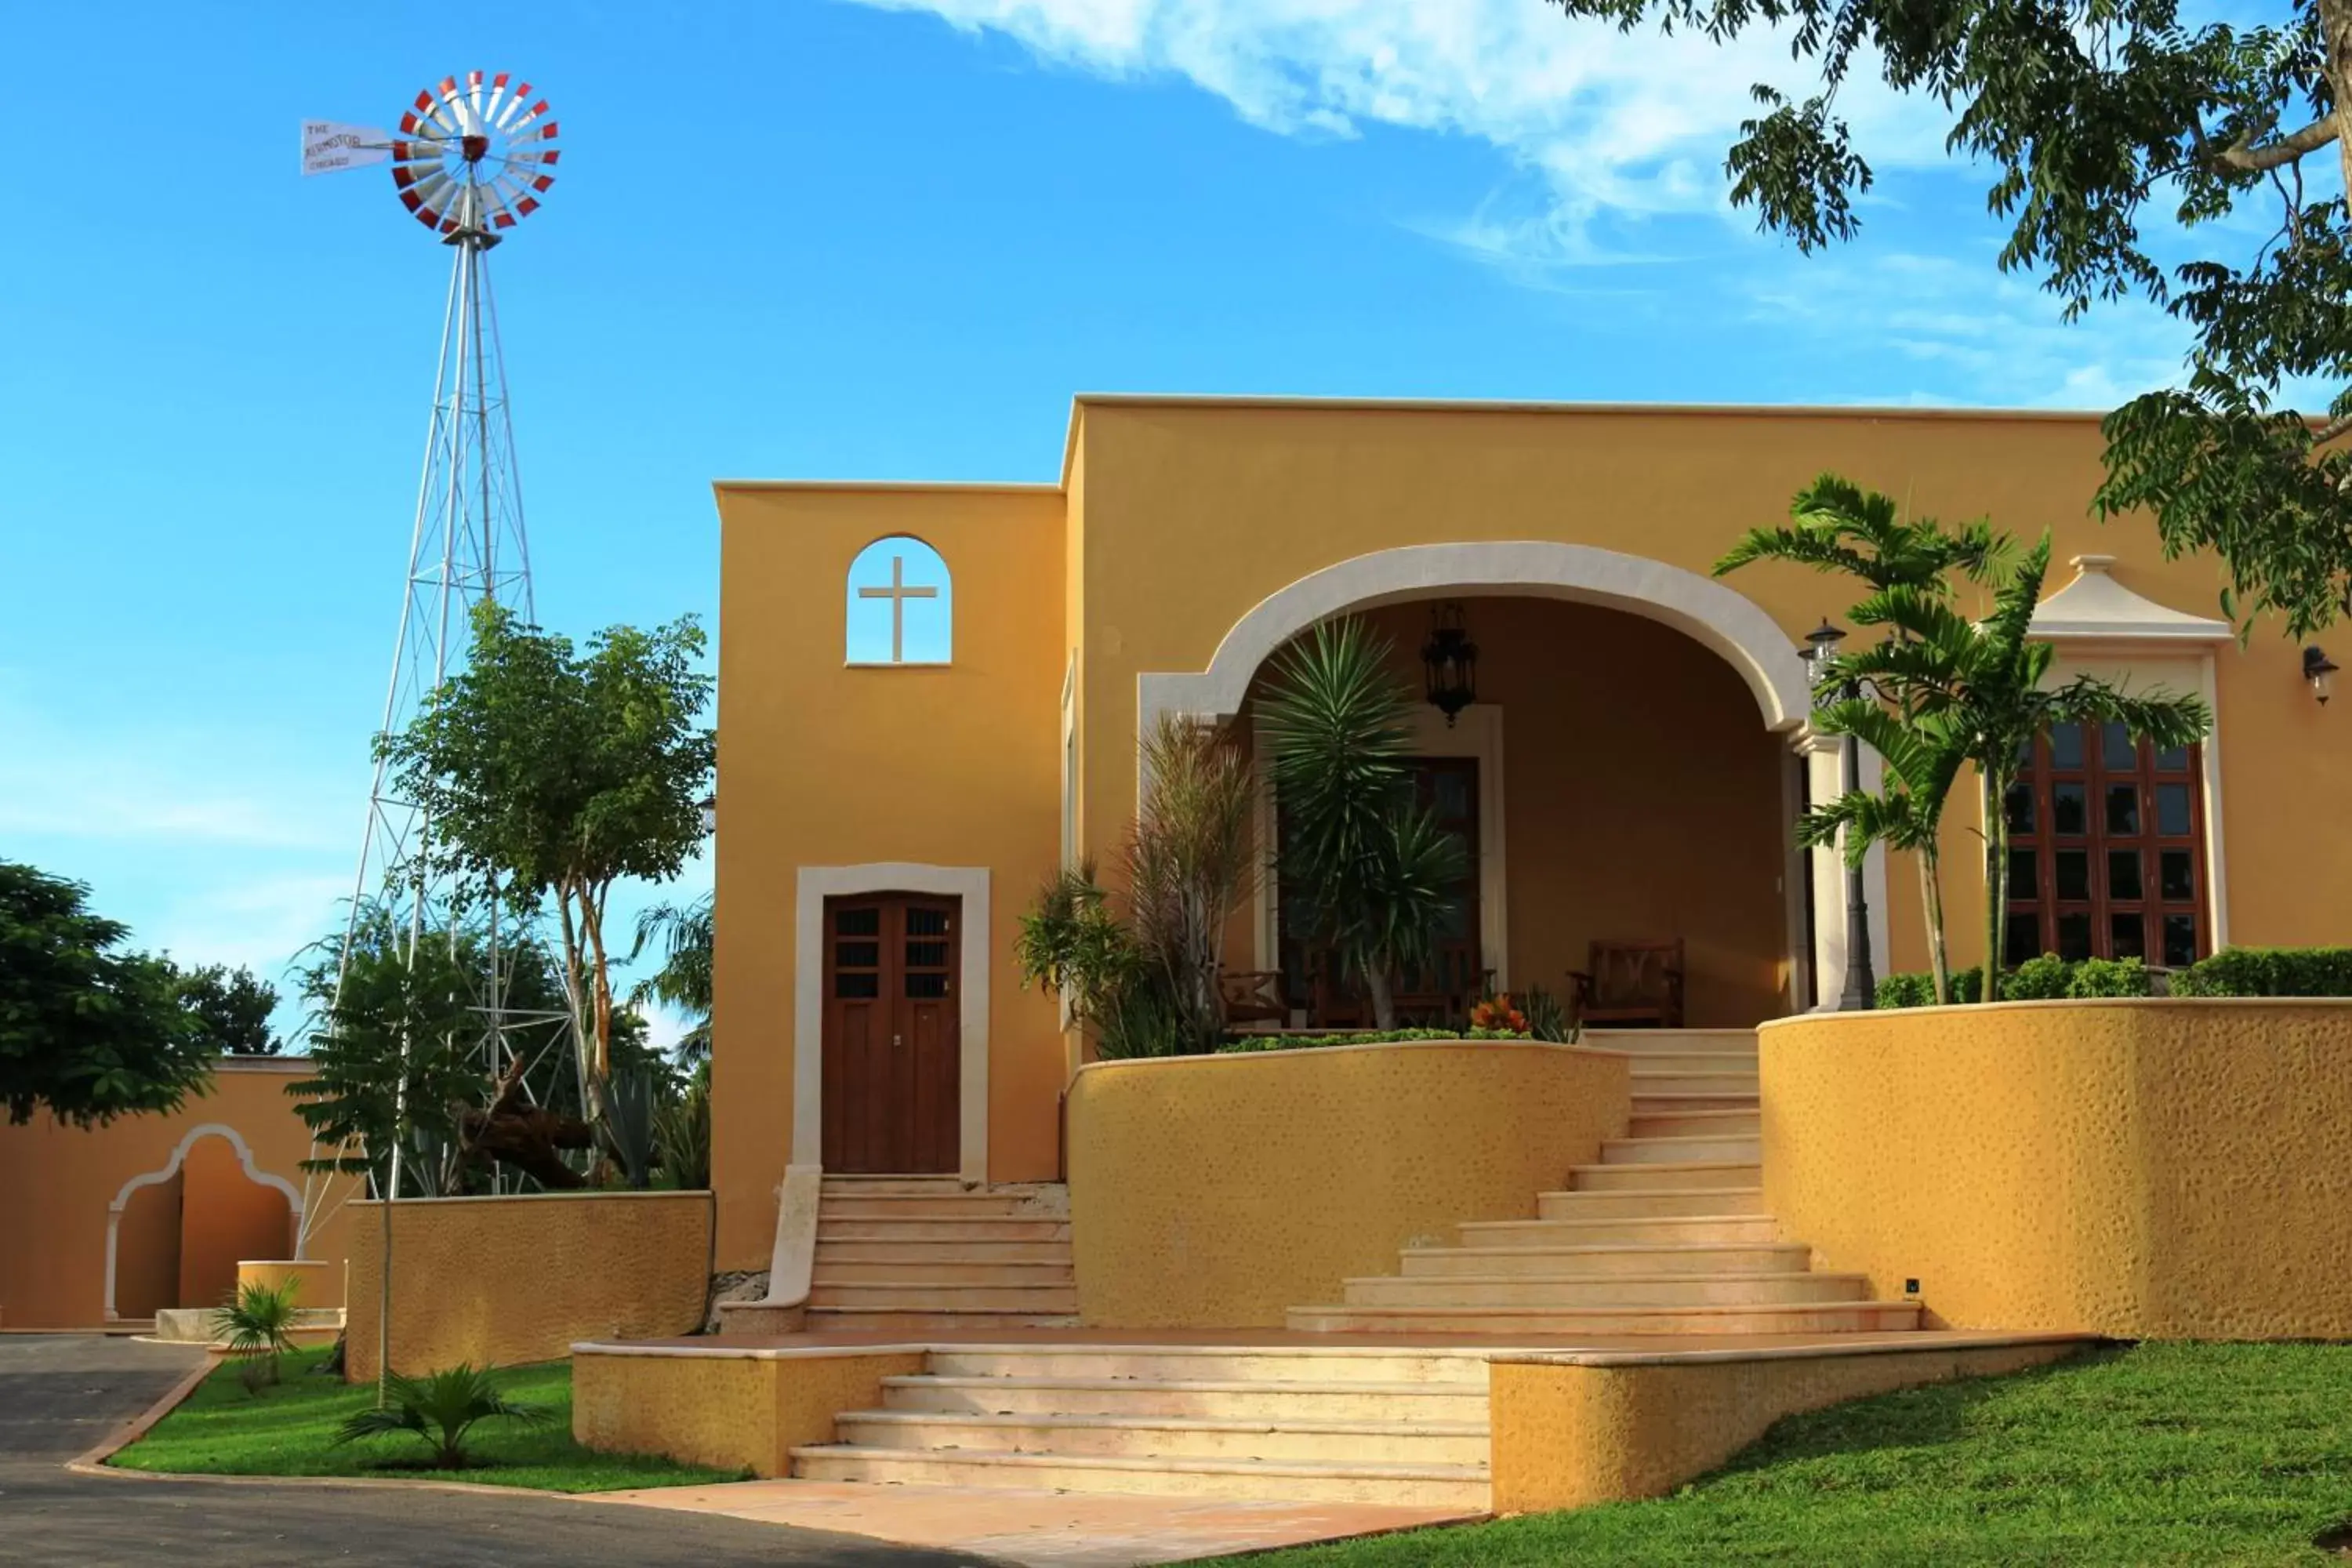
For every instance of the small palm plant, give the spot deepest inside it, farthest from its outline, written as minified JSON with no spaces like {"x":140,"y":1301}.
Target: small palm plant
{"x":440,"y":1409}
{"x":257,"y":1325}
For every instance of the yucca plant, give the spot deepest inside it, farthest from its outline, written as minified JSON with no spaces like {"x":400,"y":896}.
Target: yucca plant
{"x":1189,"y":863}
{"x":439,"y":1409}
{"x":682,"y":1134}
{"x":258,"y":1327}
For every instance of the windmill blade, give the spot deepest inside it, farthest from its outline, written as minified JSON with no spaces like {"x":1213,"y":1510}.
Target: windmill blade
{"x":495,"y":107}
{"x":514,"y":106}
{"x":474,"y":153}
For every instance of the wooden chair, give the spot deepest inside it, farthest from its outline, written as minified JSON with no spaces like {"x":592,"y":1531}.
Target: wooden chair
{"x":1252,"y":998}
{"x":1637,"y":984}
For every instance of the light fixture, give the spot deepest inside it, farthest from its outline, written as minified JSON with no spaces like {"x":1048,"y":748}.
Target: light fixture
{"x":1451,"y":661}
{"x":710,"y":804}
{"x":2320,"y":670}
{"x":1822,"y":642}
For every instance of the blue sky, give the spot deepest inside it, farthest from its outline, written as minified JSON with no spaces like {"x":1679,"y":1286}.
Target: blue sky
{"x":810,"y":239}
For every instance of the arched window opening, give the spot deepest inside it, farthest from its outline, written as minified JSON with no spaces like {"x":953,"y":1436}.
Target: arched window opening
{"x":902,"y":606}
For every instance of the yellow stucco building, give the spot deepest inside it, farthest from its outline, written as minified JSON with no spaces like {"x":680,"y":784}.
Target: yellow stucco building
{"x":931,"y":694}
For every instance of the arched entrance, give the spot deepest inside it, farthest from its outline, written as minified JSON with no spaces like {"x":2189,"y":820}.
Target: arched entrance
{"x":1726,"y":623}
{"x":175,"y":1235}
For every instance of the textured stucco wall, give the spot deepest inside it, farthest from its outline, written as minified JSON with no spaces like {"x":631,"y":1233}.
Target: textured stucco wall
{"x":504,"y":1282}
{"x":1570,"y":1434}
{"x":747,"y":1411}
{"x":1218,"y":1192}
{"x":2142,"y":1169}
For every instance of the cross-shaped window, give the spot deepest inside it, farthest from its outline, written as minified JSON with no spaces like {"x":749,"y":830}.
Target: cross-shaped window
{"x":901,"y":604}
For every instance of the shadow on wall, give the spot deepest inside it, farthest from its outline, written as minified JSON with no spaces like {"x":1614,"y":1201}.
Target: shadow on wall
{"x":179,"y":1241}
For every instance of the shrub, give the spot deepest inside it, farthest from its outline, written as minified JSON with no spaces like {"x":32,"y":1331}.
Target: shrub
{"x":2043,"y":979}
{"x":2269,"y":971}
{"x":259,"y":1325}
{"x":1919,"y":990}
{"x":439,"y":1409}
{"x":2048,"y":978}
{"x":2108,"y":977}
{"x":1241,"y":1044}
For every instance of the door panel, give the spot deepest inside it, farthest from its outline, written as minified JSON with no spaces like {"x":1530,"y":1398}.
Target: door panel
{"x":892,"y":1047}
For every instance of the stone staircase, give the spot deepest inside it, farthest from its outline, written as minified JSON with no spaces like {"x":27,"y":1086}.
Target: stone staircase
{"x":1668,"y":1235}
{"x":898,"y":1253}
{"x":1401,"y":1426}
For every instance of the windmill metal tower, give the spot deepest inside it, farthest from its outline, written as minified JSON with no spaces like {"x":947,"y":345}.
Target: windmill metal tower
{"x":469,"y":161}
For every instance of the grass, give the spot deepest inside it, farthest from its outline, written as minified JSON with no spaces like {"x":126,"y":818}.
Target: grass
{"x":2162,"y":1453}
{"x":289,"y":1430}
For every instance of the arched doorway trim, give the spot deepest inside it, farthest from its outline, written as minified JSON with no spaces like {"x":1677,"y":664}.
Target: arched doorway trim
{"x":172,"y":1168}
{"x":1728,"y":622}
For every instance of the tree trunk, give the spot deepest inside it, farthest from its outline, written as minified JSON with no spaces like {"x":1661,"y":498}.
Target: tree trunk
{"x":2335,"y":28}
{"x":1996,"y":839}
{"x":1376,"y":984}
{"x":592,"y":919}
{"x":1931,"y":898}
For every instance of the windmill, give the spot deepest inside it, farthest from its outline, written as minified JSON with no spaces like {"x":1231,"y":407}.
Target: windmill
{"x":470,"y":160}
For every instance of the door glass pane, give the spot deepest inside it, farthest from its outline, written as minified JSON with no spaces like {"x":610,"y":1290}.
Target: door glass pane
{"x":2074,"y":936}
{"x":857,"y":986}
{"x":2179,"y":878}
{"x":927,"y":923}
{"x":2179,"y":941}
{"x":2022,"y":940}
{"x":857,"y":922}
{"x":1452,"y":790}
{"x":927,"y":986}
{"x":2127,"y":934}
{"x":2172,"y":810}
{"x":2024,"y":880}
{"x":857,"y":955}
{"x":2123,"y":874}
{"x":2069,"y":810}
{"x":2066,"y":746}
{"x":2020,"y":803}
{"x":2119,"y":752}
{"x":2123,"y":808}
{"x":2073,"y":869}
{"x":927,"y":955}
{"x":2172,"y":759}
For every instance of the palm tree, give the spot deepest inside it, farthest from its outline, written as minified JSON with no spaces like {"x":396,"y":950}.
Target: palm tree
{"x":1373,"y":865}
{"x":1835,"y":525}
{"x":440,"y":1409}
{"x":258,"y":1325}
{"x":1981,"y":687}
{"x":683,"y":980}
{"x":1189,"y":862}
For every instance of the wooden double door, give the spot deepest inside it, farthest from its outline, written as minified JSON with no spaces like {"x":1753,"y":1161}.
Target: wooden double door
{"x":893,"y":1057}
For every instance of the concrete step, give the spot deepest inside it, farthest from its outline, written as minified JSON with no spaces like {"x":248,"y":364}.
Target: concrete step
{"x":1668,"y":1176}
{"x":955,"y":1205}
{"x":1644,"y":1043}
{"x":1751,"y":1229}
{"x":1603,"y":1289}
{"x":1662,"y":1104}
{"x":1748,"y":1122}
{"x":942,"y":1252}
{"x":930,"y":1186}
{"x":1670,"y":1064}
{"x":1787,"y":1317}
{"x":1319,"y":1442}
{"x":1748,"y":1147}
{"x":919,"y":1272}
{"x":1207,"y":1398}
{"x":1701,"y":1201}
{"x":894,"y":1321}
{"x":938,"y":1228}
{"x":899,"y":1297}
{"x":1178,"y":1364}
{"x":1764,"y":1259}
{"x":1433,"y":1486}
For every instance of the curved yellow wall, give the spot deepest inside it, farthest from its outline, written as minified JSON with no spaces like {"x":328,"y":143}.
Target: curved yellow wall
{"x":505,"y":1281}
{"x":2161,"y":1169}
{"x":1218,"y":1192}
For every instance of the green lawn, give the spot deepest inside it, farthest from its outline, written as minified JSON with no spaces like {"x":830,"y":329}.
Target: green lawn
{"x":2163,"y":1454}
{"x":289,"y":1430}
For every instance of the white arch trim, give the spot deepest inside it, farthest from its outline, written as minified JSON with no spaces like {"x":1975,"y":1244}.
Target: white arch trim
{"x":1732,"y":625}
{"x":172,"y":1168}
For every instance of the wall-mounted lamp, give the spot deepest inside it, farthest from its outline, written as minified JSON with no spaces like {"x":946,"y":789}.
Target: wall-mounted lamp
{"x":710,"y":814}
{"x":1820,"y":644}
{"x":1450,"y":660}
{"x":2320,"y":670}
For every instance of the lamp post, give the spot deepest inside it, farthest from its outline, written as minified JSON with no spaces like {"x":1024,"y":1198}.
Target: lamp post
{"x":1861,"y":993}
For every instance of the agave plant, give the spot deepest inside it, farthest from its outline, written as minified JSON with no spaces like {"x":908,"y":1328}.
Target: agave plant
{"x":439,"y":1409}
{"x":257,"y":1325}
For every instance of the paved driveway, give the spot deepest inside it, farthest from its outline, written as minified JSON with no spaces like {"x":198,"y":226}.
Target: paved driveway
{"x":62,"y":1394}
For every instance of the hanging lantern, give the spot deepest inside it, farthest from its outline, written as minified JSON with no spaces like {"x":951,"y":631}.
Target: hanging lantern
{"x":2320,"y":670}
{"x":1451,"y":661}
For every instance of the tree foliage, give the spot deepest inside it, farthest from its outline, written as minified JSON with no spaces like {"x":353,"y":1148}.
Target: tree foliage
{"x":683,"y":980}
{"x":2105,"y":124}
{"x":87,"y":1031}
{"x":232,"y":1009}
{"x":543,"y":770}
{"x":1189,"y":862}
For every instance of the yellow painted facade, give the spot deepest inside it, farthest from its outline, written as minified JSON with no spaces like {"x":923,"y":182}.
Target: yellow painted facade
{"x":1648,"y":782}
{"x":731,"y":1410}
{"x":1217,"y":1191}
{"x":507,"y":1282}
{"x":1571,"y":1431}
{"x":2157,"y":1169}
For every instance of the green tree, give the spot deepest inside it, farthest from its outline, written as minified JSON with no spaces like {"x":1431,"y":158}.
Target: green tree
{"x":2103,"y":124}
{"x":684,"y":980}
{"x":1189,"y":862}
{"x":1835,"y":525}
{"x":544,"y":770}
{"x":1374,"y":866}
{"x":88,"y":1032}
{"x":231,"y":1006}
{"x":1987,"y":683}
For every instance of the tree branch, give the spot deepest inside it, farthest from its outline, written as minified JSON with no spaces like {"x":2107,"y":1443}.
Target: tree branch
{"x":2285,"y":149}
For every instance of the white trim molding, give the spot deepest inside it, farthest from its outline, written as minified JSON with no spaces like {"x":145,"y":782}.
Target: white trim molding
{"x":814,"y":885}
{"x":172,"y":1168}
{"x":1732,"y":625}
